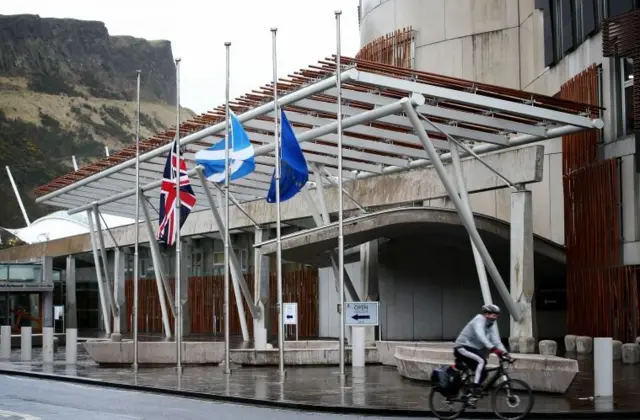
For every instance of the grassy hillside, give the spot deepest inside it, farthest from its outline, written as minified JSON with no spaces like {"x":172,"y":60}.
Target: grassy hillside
{"x":68,"y":88}
{"x":39,"y":133}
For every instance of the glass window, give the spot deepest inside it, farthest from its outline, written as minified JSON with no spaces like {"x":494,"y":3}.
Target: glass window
{"x":4,"y":273}
{"x":628,"y":122}
{"x":24,"y":273}
{"x":618,"y":7}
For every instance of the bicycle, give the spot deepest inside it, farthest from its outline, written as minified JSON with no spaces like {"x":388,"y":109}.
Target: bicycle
{"x":503,"y":383}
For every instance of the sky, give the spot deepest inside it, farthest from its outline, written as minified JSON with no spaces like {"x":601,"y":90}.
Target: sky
{"x":198,"y":30}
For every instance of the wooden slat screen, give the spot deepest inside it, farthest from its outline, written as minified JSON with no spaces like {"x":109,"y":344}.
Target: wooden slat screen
{"x":393,"y":49}
{"x":602,"y":295}
{"x":206,"y":298}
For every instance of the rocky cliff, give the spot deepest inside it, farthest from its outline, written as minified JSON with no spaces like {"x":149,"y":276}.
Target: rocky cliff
{"x":68,"y":88}
{"x":77,"y":58}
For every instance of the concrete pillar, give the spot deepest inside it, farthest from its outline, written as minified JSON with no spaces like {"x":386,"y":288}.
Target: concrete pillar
{"x":521,"y":268}
{"x":25,"y":343}
{"x":46,"y":272}
{"x":120,"y":322}
{"x":71,"y":345}
{"x":47,"y":344}
{"x":603,"y":367}
{"x":369,"y":279}
{"x":358,"y":335}
{"x":71,"y":315}
{"x":261,"y":292}
{"x":47,"y":311}
{"x":5,"y":342}
{"x":185,"y":272}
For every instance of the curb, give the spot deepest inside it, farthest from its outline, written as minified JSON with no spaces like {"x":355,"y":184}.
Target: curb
{"x":288,"y":405}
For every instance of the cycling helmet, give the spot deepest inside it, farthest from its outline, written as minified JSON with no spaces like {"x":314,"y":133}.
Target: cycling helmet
{"x":491,"y":309}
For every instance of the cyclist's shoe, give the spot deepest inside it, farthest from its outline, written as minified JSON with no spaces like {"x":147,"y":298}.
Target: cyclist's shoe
{"x":474,"y":394}
{"x":476,"y":391}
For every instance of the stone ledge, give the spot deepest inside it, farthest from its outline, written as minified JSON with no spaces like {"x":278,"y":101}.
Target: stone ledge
{"x":387,"y":349}
{"x":543,"y":373}
{"x":299,"y":356}
{"x":154,"y":352}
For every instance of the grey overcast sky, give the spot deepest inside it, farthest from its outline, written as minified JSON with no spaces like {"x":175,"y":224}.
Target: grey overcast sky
{"x":198,"y":29}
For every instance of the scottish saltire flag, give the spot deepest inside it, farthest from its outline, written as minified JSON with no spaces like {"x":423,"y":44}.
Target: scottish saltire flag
{"x":293,"y":167}
{"x":167,"y":228}
{"x":241,"y":160}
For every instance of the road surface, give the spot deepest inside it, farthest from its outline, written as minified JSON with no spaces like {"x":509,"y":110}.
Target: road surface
{"x":36,"y":399}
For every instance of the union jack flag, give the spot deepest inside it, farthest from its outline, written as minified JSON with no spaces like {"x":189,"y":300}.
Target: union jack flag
{"x":167,"y":229}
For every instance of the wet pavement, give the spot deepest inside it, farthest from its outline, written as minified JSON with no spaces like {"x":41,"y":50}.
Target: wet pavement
{"x":36,"y":399}
{"x":373,"y":387}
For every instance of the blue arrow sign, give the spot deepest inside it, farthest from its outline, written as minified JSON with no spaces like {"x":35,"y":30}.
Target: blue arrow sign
{"x":361,"y":313}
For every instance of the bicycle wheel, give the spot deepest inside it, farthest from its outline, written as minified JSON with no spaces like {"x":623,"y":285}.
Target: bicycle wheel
{"x":444,"y":409}
{"x":513,"y":391}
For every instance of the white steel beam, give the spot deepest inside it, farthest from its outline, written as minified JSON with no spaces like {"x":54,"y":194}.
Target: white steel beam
{"x":367,"y":130}
{"x":464,"y":216}
{"x":464,"y":198}
{"x":214,"y":129}
{"x":348,"y":284}
{"x":351,"y":153}
{"x":105,"y":263}
{"x":486,"y":148}
{"x":442,"y":112}
{"x":267,"y":148}
{"x":473,"y":99}
{"x":466,"y":133}
{"x":236,"y":270}
{"x":162,"y":283}
{"x":104,"y":305}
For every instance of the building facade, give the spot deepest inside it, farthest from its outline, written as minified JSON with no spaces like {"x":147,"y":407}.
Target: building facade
{"x":583,"y":50}
{"x":585,"y":201}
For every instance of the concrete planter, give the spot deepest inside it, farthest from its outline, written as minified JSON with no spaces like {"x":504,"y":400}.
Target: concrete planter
{"x":543,"y":373}
{"x":155,"y":352}
{"x":387,"y":349}
{"x":299,"y":356}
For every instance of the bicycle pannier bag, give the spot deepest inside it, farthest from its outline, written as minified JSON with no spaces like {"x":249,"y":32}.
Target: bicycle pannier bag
{"x":446,"y":380}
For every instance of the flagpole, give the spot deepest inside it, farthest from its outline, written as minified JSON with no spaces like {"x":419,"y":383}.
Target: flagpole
{"x":178,"y":208}
{"x":340,"y":203}
{"x":227,"y":175}
{"x":136,"y":255}
{"x":277,"y":182}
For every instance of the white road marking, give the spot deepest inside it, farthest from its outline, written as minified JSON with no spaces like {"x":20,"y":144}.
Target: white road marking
{"x":18,"y":416}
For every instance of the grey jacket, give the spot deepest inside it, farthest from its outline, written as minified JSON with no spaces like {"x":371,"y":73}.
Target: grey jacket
{"x":479,"y":335}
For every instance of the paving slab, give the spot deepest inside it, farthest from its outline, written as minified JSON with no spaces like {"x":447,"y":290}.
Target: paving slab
{"x":374,"y":388}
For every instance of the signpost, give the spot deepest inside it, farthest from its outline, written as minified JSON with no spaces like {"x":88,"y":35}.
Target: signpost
{"x":363,"y":314}
{"x":291,"y":315}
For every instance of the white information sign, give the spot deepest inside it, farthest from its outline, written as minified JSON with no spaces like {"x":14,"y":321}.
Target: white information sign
{"x":58,"y":312}
{"x":290,"y":313}
{"x":361,"y":313}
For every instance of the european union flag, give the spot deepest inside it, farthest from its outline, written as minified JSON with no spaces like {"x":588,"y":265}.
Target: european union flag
{"x":294,"y":173}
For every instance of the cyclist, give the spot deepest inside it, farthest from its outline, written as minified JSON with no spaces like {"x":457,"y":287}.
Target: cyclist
{"x":476,"y":338}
